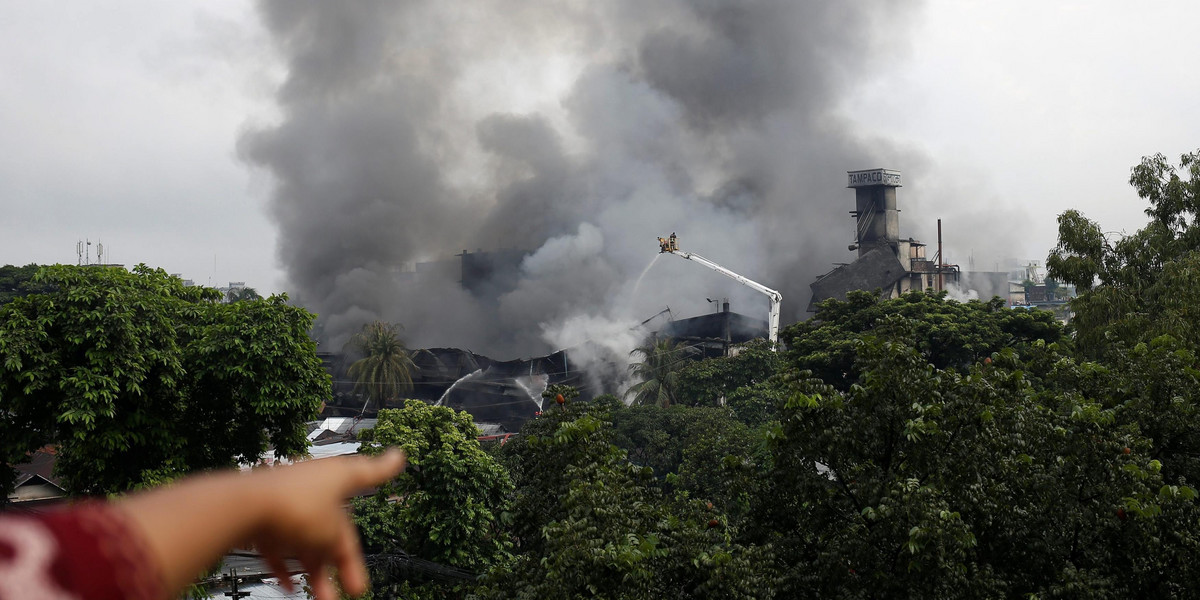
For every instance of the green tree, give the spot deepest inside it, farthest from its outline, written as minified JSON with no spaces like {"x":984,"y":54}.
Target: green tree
{"x":18,"y":281}
{"x":688,"y":448}
{"x":758,"y":404}
{"x":554,"y":390}
{"x":137,"y":379}
{"x":1052,"y":288}
{"x":384,"y":368}
{"x":1028,"y":285}
{"x":709,"y":382}
{"x":589,"y":523}
{"x":1001,"y":481}
{"x":1155,"y":388}
{"x":657,"y":373}
{"x":1143,"y":285}
{"x":448,"y":506}
{"x":947,"y":333}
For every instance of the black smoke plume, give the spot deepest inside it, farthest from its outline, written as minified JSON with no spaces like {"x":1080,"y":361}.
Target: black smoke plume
{"x":571,"y":133}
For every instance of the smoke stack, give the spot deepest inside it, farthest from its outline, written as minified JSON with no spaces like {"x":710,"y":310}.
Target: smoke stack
{"x":878,"y":218}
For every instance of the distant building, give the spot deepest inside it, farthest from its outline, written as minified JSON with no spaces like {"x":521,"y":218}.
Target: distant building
{"x":36,"y":485}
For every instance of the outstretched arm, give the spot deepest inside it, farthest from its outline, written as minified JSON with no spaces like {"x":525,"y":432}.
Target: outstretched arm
{"x":295,"y":511}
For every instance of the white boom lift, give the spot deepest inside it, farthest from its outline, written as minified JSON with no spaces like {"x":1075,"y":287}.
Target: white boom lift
{"x":670,"y":245}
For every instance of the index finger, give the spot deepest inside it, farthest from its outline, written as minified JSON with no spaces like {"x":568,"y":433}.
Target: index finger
{"x":364,"y":472}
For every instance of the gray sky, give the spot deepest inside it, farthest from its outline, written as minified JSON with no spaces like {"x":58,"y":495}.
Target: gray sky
{"x":119,"y":123}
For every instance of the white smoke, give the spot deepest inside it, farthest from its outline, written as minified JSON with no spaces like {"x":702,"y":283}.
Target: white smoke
{"x":956,"y":293}
{"x":601,"y":346}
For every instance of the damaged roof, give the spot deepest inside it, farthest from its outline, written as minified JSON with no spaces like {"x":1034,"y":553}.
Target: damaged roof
{"x":878,"y":268}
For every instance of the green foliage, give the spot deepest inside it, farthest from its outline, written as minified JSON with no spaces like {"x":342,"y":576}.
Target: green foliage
{"x":16,"y":282}
{"x":1079,"y":257}
{"x":924,"y":482}
{"x":450,"y":504}
{"x":137,"y":379}
{"x":605,"y":402}
{"x":568,"y":393}
{"x":757,"y":405}
{"x":540,"y":476}
{"x":588,"y":523}
{"x":384,"y":370}
{"x":688,"y":449}
{"x":1143,"y":285}
{"x":709,"y":382}
{"x":948,"y":334}
{"x":1155,"y":388}
{"x":657,"y":373}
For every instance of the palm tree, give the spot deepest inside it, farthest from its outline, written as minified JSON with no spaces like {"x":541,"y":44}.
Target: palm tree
{"x":239,"y":294}
{"x":384,"y":369}
{"x":657,"y":371}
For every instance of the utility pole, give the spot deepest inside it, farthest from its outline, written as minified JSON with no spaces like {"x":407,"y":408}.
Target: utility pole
{"x":235,"y":580}
{"x":941,"y":278}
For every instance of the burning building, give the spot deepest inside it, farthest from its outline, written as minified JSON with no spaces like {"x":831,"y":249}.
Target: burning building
{"x":885,"y":261}
{"x":505,"y":393}
{"x":715,"y":333}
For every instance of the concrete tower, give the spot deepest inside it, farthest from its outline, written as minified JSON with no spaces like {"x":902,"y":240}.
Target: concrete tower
{"x":883,"y":258}
{"x":876,"y":215}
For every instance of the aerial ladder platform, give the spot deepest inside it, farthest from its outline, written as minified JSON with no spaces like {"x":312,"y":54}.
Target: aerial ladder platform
{"x":670,"y":245}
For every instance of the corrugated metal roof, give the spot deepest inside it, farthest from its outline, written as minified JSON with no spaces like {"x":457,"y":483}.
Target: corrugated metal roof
{"x":316,"y":452}
{"x":341,"y":426}
{"x":267,"y":588}
{"x":490,"y":428}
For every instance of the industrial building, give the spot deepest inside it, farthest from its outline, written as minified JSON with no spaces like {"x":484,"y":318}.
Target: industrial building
{"x":885,"y":261}
{"x":713,"y":335}
{"x":506,"y":393}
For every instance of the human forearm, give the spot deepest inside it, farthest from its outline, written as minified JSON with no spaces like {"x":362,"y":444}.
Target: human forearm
{"x":187,"y":526}
{"x":285,"y":511}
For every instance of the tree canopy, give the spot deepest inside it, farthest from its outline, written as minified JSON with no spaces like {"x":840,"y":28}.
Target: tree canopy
{"x":242,"y":294}
{"x":589,"y":523}
{"x":1142,"y":285}
{"x":137,"y":379}
{"x":711,"y":381}
{"x":18,"y":281}
{"x":450,"y":504}
{"x":1003,"y":481}
{"x":948,"y":334}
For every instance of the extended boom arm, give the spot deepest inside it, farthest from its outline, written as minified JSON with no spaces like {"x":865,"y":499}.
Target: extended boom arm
{"x":670,"y":246}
